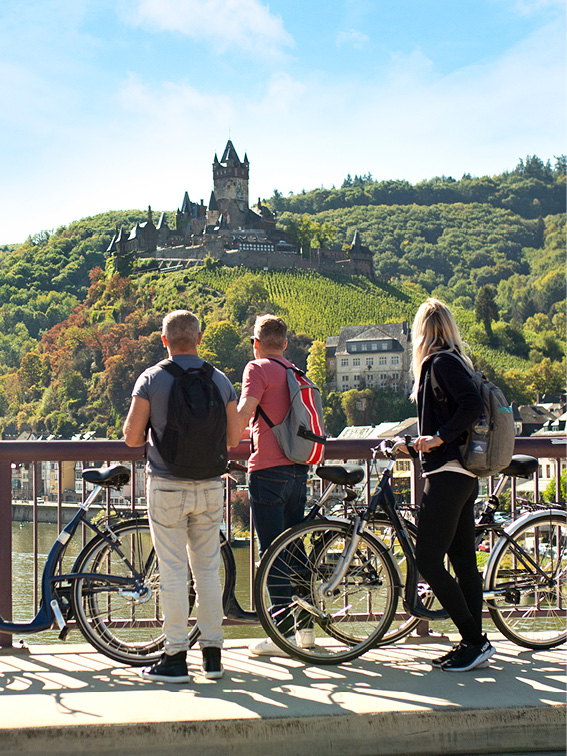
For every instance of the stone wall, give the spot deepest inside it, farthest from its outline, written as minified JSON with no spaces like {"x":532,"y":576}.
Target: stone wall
{"x":320,"y":260}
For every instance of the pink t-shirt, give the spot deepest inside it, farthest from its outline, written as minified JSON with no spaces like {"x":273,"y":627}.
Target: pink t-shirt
{"x":266,"y":381}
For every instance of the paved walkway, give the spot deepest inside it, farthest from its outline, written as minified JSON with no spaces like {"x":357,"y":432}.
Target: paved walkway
{"x":71,"y":700}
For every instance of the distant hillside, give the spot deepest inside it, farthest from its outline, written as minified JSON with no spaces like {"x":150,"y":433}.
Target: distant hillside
{"x":74,"y":335}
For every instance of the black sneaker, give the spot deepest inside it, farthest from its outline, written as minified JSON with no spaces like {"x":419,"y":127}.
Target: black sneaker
{"x":440,"y":660}
{"x":469,"y":656}
{"x":212,"y":667}
{"x":171,"y":668}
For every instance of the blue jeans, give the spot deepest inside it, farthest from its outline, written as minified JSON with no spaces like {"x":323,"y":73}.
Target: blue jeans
{"x":277,"y":497}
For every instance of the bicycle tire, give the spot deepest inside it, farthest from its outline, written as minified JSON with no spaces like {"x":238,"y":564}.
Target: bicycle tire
{"x":126,"y":628}
{"x":404,"y":624}
{"x":531,"y":611}
{"x":348,"y":623}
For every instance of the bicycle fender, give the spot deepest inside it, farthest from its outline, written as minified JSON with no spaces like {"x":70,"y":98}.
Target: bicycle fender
{"x":510,"y":530}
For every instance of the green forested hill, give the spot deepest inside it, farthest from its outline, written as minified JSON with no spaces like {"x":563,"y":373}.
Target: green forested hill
{"x":74,"y":335}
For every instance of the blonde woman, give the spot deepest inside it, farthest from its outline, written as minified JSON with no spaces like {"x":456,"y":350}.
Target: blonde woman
{"x":446,"y":519}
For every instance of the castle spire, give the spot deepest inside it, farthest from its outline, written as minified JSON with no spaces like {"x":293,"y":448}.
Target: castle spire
{"x":186,"y":206}
{"x":230,"y":154}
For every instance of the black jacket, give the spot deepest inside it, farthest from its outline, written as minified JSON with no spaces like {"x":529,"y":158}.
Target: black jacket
{"x":450,"y":417}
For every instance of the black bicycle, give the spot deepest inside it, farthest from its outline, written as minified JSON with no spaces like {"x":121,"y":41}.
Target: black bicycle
{"x":112,"y":590}
{"x":339,"y":578}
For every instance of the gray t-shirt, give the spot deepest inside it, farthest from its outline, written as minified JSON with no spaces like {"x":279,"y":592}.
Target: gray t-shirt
{"x":154,"y":385}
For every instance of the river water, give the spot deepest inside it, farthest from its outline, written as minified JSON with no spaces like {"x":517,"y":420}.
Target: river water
{"x":23,"y":584}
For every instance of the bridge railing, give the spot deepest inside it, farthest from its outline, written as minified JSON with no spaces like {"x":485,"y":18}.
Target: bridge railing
{"x":31,"y":454}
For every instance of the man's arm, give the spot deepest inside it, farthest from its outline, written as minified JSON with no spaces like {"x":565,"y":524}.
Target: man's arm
{"x":137,"y":421}
{"x":232,"y":425}
{"x":246,"y":408}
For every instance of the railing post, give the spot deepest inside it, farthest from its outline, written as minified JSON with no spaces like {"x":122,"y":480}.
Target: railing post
{"x":5,"y":549}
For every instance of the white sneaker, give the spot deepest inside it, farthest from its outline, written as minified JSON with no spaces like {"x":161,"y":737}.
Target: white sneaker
{"x":305,"y":638}
{"x":265,"y":647}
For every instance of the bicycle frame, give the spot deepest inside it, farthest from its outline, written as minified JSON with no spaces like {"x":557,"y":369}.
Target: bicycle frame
{"x":383,"y":498}
{"x":49,"y":608}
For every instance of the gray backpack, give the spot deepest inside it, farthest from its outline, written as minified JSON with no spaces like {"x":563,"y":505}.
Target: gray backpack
{"x":490,"y":440}
{"x":301,"y":434}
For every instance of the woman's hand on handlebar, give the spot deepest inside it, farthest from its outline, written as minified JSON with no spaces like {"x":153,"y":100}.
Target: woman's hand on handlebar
{"x":426,"y":444}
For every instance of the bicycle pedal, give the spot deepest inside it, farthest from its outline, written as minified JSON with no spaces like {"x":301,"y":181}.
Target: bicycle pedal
{"x":512,"y":596}
{"x":57,"y":613}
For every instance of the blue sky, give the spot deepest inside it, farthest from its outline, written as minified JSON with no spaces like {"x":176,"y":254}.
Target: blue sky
{"x":117,"y":104}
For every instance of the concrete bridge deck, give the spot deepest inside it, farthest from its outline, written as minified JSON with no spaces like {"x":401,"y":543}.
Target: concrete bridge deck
{"x":70,"y":700}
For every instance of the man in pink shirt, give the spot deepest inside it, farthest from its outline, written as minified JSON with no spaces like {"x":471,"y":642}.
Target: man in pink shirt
{"x":277,"y":486}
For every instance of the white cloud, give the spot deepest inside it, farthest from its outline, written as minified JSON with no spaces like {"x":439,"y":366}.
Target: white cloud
{"x":532,"y":7}
{"x":151,"y":142}
{"x":245,"y":25}
{"x":352,"y":37}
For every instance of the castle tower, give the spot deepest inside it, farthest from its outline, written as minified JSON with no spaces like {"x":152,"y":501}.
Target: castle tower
{"x":230,"y":180}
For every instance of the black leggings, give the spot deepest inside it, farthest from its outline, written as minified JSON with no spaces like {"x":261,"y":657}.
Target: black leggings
{"x":446,"y":527}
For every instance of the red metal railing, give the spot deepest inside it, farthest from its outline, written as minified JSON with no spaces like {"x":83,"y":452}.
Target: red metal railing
{"x":88,"y":452}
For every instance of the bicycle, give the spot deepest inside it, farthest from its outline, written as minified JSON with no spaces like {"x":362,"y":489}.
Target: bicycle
{"x":112,"y":590}
{"x":346,"y":583}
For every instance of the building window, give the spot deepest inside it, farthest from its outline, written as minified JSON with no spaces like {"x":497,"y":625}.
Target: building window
{"x":396,"y":360}
{"x":364,"y":347}
{"x":356,"y":362}
{"x":382,"y":360}
{"x":356,"y":377}
{"x":344,"y":361}
{"x":383,"y":379}
{"x":370,"y":361}
{"x":345,"y":379}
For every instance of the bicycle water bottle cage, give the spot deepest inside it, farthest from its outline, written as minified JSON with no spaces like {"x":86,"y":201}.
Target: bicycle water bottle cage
{"x":342,"y":475}
{"x":107,"y":477}
{"x":521,"y":466}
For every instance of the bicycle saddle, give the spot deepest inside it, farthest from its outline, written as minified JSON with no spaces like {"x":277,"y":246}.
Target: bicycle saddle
{"x":107,"y":477}
{"x":343,"y":475}
{"x":521,"y":466}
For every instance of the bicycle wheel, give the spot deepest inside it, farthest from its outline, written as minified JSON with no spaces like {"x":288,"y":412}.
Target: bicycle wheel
{"x":117,"y":611}
{"x":289,"y":602}
{"x":402,"y":624}
{"x":528,"y":575}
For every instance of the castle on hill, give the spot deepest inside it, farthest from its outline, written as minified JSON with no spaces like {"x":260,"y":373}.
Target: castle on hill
{"x":231,"y":231}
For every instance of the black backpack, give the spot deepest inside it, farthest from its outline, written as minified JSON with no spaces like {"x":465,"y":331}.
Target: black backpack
{"x":193,"y":444}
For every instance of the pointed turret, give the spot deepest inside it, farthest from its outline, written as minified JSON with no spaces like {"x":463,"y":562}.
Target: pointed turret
{"x":186,"y":206}
{"x":213,"y":206}
{"x":162,"y":222}
{"x":356,"y":241}
{"x":230,"y":187}
{"x":230,"y":154}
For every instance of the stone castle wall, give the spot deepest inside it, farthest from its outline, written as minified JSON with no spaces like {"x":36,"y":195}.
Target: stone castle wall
{"x":319,"y":260}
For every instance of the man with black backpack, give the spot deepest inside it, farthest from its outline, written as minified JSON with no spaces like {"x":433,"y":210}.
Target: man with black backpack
{"x":277,"y":484}
{"x":189,"y":408}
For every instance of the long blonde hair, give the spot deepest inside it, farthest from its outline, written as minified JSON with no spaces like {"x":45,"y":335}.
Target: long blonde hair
{"x":434,"y":329}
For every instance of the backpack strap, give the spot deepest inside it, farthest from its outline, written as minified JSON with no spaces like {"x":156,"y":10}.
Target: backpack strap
{"x":293,"y":367}
{"x":259,"y":410}
{"x":437,"y":390}
{"x":177,"y":371}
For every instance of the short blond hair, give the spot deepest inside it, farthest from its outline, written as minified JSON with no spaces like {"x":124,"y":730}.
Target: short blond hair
{"x":181,"y":329}
{"x":271,"y":331}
